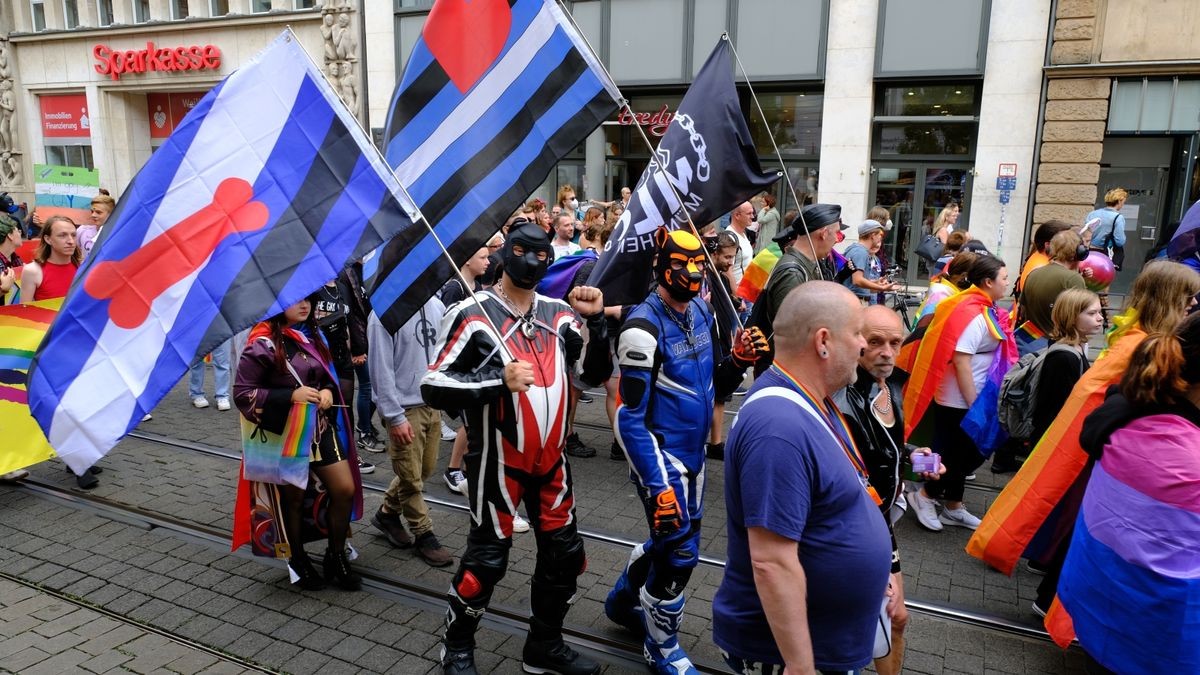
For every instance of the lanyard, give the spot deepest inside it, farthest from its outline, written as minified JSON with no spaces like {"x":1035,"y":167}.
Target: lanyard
{"x":841,"y":430}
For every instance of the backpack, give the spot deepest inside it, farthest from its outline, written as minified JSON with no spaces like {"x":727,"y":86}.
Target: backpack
{"x":1018,"y":393}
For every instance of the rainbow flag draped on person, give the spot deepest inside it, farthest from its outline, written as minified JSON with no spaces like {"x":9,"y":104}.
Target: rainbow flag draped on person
{"x":1054,"y":464}
{"x":22,"y":328}
{"x":1131,"y":580}
{"x":754,"y":278}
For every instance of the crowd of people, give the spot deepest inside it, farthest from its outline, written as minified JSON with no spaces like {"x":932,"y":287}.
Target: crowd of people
{"x":852,"y":421}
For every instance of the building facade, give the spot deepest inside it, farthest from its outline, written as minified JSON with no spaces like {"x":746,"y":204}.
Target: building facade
{"x":99,"y":84}
{"x":1122,"y":109}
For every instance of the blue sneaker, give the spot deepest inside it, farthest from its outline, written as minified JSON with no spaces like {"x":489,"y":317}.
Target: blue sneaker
{"x":661,"y":648}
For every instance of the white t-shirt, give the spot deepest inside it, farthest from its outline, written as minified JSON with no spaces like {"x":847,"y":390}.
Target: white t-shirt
{"x":561,"y":251}
{"x":977,"y":341}
{"x":741,"y":259}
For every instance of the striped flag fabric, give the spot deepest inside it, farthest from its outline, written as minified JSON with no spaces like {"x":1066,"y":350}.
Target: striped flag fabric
{"x":262,"y":194}
{"x":708,"y":156}
{"x":22,"y":328}
{"x":758,"y":271}
{"x":494,"y":94}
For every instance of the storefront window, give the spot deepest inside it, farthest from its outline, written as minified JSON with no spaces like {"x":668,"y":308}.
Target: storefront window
{"x":929,"y":100}
{"x":793,"y":120}
{"x":37,"y":10}
{"x":218,"y":7}
{"x":70,"y":155}
{"x":104,"y":11}
{"x":929,"y":120}
{"x":141,"y":11}
{"x":931,"y":36}
{"x":925,"y":139}
{"x":70,"y":13}
{"x":1145,"y":105}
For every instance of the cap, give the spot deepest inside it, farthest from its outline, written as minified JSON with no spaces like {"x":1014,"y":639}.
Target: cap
{"x":868,"y":226}
{"x":812,"y":218}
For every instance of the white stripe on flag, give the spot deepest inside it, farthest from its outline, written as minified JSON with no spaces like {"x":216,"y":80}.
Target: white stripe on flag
{"x":234,"y":141}
{"x":481,"y":98}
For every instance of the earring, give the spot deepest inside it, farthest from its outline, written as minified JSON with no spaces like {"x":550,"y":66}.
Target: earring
{"x":824,"y":355}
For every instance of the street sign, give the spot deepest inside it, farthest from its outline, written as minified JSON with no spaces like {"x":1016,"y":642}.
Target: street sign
{"x":1007,"y":171}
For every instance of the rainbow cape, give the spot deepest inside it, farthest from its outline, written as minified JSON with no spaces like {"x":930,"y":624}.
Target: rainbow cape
{"x":22,"y":328}
{"x":1051,"y":468}
{"x":754,"y":278}
{"x":927,"y":354}
{"x":1133,"y":569}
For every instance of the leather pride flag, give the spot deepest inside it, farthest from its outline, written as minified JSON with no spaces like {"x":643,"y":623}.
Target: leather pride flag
{"x":264,"y":192}
{"x":494,"y":94}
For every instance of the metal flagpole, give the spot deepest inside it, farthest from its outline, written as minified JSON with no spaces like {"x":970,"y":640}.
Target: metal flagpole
{"x":775,"y":146}
{"x":327,"y":89}
{"x":624,"y":102}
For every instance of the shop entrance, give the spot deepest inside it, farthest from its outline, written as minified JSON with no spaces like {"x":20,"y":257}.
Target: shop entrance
{"x":914,"y":195}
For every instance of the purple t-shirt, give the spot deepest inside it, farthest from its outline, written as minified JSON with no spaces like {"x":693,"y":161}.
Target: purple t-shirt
{"x":785,"y":473}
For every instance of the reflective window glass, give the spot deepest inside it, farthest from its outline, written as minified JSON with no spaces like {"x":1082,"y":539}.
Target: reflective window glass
{"x":928,"y":100}
{"x":929,"y":36}
{"x":646,"y":40}
{"x":777,"y":38}
{"x":793,"y":121}
{"x":71,"y":13}
{"x":924,"y":139}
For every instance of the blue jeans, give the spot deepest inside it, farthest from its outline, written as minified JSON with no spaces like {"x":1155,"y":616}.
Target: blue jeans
{"x":220,"y":360}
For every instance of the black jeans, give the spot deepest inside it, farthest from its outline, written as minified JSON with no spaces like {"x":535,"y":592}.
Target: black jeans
{"x":957,"y":450}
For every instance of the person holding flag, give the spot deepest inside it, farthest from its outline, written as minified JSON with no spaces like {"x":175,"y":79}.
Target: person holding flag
{"x":10,"y":262}
{"x":513,"y":391}
{"x":670,"y":366}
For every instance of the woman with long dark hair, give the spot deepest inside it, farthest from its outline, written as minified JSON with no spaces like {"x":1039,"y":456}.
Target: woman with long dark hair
{"x":285,"y":372}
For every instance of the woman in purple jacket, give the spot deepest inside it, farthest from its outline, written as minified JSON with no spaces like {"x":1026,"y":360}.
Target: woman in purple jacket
{"x":286,"y":361}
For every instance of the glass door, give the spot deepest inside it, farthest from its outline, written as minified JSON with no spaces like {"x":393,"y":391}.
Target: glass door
{"x":914,"y":196}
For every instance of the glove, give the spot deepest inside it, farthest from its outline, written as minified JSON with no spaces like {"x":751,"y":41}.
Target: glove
{"x":749,"y":345}
{"x":667,"y":519}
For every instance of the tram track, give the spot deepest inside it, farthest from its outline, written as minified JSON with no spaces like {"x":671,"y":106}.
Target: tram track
{"x":985,"y":620}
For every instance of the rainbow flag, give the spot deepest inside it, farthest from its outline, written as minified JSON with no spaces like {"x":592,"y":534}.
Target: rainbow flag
{"x":22,"y":328}
{"x":1051,"y":468}
{"x":928,"y":355}
{"x":757,"y":272}
{"x":1133,"y":570}
{"x":13,"y":296}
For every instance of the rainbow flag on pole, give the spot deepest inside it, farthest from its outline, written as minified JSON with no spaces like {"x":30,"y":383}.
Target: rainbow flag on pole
{"x":22,"y":328}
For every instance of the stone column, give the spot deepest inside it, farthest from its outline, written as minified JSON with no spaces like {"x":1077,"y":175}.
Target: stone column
{"x":13,"y":172}
{"x":1072,"y":141}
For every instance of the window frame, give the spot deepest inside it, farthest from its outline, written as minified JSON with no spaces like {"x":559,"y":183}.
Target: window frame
{"x":980,"y":58}
{"x":34,"y":14}
{"x":136,"y":6}
{"x":66,"y":15}
{"x":100,"y":20}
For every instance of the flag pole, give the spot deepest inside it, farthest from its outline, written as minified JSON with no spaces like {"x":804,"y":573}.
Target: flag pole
{"x":778,"y":155}
{"x":624,"y":103}
{"x":328,"y":91}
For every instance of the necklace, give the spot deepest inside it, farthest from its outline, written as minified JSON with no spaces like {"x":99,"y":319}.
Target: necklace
{"x":887,"y":407}
{"x":687,"y":316}
{"x":528,"y":329}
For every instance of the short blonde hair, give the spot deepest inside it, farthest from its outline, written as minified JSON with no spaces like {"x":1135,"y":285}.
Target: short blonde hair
{"x":1115,"y":195}
{"x":1064,"y":317}
{"x":1064,"y":245}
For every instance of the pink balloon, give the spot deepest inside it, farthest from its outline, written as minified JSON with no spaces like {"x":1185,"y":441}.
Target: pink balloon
{"x":1102,"y":269}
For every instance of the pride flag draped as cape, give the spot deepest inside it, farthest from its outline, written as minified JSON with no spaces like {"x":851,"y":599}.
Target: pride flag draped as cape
{"x":22,"y":328}
{"x":757,"y":272}
{"x":1052,"y":467}
{"x":1133,"y":570}
{"x":927,"y":355}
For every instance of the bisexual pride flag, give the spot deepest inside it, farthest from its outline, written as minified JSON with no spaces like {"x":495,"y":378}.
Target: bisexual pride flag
{"x":262,"y":194}
{"x":494,"y":94}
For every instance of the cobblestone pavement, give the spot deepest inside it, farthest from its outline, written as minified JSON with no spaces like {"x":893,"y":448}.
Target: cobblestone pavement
{"x":242,"y":606}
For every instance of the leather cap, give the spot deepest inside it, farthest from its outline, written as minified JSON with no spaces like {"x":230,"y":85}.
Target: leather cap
{"x":812,"y":218}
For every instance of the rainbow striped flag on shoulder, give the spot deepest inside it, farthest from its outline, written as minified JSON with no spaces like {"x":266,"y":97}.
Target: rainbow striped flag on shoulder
{"x":22,"y":328}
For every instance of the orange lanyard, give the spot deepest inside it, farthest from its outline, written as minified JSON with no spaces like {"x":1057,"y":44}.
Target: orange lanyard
{"x":836,"y":422}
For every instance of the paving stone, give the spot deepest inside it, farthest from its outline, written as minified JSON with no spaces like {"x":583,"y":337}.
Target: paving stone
{"x":26,"y":658}
{"x":63,"y":662}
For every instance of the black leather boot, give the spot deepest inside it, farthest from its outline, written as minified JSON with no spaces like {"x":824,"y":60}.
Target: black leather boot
{"x":337,"y":571}
{"x":309,"y":579}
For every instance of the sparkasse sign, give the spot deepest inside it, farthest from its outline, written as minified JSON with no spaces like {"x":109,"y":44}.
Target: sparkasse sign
{"x":115,"y":63}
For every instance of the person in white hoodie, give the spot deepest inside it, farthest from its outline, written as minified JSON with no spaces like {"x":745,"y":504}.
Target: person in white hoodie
{"x":397,"y":363}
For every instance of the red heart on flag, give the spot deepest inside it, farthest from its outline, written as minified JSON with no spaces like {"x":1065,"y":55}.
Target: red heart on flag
{"x":466,"y":36}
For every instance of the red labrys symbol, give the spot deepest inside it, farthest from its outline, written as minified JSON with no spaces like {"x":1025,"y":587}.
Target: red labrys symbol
{"x":466,"y":36}
{"x":135,"y":282}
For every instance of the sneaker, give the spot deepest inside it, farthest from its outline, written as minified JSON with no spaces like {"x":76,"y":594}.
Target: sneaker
{"x":199,"y":402}
{"x":391,"y":527}
{"x":584,"y":398}
{"x":448,"y":434}
{"x":223,"y":403}
{"x":615,"y":453}
{"x":456,"y":480}
{"x":926,"y":510}
{"x":369,"y":442}
{"x":147,"y":417}
{"x":1035,"y":567}
{"x":970,"y":476}
{"x":365,"y":467}
{"x":429,"y":549}
{"x":741,"y":391}
{"x":554,"y":656}
{"x":959,"y":517}
{"x":576,"y":448}
{"x":715,"y":451}
{"x":458,"y":662}
{"x":520,"y":524}
{"x":1037,"y":609}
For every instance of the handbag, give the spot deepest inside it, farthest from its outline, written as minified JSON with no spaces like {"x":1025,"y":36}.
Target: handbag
{"x":930,"y":248}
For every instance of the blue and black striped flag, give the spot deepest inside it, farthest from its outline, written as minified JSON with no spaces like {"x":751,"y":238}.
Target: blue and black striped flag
{"x":495,"y":93}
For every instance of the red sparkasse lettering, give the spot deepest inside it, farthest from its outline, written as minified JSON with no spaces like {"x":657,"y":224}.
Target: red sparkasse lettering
{"x":114,"y":63}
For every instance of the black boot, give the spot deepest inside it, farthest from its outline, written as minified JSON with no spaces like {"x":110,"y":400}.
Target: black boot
{"x":309,"y":579}
{"x":458,"y":661}
{"x":337,"y":571}
{"x":554,"y":656}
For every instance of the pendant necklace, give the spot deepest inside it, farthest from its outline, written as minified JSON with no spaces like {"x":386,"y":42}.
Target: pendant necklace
{"x":528,"y":329}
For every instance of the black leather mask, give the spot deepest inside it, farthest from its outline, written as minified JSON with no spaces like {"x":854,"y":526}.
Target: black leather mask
{"x":527,"y":270}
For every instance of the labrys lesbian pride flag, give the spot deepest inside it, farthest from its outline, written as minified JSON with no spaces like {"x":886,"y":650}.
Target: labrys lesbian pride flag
{"x":262,"y":194}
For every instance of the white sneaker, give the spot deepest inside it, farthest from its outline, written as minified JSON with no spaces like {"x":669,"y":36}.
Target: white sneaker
{"x":520,"y":524}
{"x":223,"y":403}
{"x":926,"y":511}
{"x":147,"y":417}
{"x":199,"y":402}
{"x":448,"y":434}
{"x":959,"y":517}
